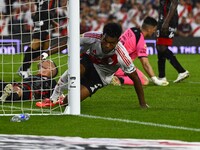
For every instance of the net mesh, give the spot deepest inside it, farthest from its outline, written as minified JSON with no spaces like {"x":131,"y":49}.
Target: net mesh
{"x":41,"y":25}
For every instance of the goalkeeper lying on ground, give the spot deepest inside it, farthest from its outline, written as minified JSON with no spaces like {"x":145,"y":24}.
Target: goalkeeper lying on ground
{"x":37,"y":86}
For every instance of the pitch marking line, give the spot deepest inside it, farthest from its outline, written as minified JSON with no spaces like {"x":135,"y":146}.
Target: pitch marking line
{"x":136,"y":122}
{"x":142,"y":123}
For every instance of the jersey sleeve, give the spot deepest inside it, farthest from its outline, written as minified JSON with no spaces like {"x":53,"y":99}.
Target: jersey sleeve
{"x":124,"y":59}
{"x":142,"y":47}
{"x":88,"y":39}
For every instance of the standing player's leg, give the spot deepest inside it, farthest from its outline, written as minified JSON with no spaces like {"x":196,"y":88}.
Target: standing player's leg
{"x":161,"y":61}
{"x":33,"y":51}
{"x":163,"y":54}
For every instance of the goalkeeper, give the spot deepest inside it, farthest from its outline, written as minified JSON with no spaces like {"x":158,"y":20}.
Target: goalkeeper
{"x":133,"y":41}
{"x":41,"y":34}
{"x":37,"y":86}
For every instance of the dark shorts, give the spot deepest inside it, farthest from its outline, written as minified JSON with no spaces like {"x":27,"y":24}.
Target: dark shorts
{"x":42,"y":35}
{"x":91,"y":79}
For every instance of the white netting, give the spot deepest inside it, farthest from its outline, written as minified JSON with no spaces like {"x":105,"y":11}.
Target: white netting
{"x":18,"y":30}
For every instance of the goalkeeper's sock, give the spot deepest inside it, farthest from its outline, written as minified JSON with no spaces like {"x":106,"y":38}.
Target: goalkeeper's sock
{"x":28,"y":56}
{"x":27,"y":59}
{"x":58,"y":91}
{"x":60,"y":87}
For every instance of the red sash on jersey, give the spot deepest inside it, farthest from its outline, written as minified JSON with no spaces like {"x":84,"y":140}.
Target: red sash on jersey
{"x":124,"y":18}
{"x":195,"y":30}
{"x":182,"y":12}
{"x":136,"y":13}
{"x":98,"y":27}
{"x":3,"y":26}
{"x":110,"y":60}
{"x":152,"y":12}
{"x":52,"y":4}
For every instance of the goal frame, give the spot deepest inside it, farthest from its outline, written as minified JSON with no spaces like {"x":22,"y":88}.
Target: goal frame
{"x":73,"y":66}
{"x":73,"y":107}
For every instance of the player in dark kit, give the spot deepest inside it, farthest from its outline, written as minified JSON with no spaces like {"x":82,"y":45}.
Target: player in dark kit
{"x":43,"y":18}
{"x":167,"y":23}
{"x":37,"y":86}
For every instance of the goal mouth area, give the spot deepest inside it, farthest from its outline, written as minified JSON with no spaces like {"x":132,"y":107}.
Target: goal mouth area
{"x":31,"y":36}
{"x":18,"y":107}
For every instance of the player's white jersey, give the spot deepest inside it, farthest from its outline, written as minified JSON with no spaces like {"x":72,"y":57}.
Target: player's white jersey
{"x":105,"y":64}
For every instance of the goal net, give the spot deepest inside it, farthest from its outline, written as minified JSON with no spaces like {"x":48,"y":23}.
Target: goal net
{"x":28,"y":28}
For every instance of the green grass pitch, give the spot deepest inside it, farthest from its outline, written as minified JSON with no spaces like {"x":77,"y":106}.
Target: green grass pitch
{"x":114,"y":112}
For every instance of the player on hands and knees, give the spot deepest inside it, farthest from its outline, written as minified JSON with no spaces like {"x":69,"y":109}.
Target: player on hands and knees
{"x":101,"y":55}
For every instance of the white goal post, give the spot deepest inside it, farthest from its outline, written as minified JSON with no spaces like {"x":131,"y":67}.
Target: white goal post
{"x":16,"y":35}
{"x":74,"y":58}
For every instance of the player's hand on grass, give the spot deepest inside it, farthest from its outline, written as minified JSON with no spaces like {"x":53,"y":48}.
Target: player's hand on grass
{"x":156,"y":81}
{"x":144,"y":106}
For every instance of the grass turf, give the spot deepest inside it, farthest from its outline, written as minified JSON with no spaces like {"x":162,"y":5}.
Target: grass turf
{"x":173,"y":113}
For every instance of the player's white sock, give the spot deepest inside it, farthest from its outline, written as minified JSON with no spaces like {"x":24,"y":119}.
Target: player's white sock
{"x":60,"y":87}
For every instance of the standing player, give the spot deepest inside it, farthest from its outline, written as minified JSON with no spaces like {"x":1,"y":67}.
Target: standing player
{"x":168,"y":21}
{"x":41,"y":34}
{"x":133,"y":41}
{"x":102,"y":55}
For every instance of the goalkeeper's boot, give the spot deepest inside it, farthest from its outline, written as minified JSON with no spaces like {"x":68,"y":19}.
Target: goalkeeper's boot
{"x":7,"y":91}
{"x":24,"y":74}
{"x":182,"y":76}
{"x":47,"y":102}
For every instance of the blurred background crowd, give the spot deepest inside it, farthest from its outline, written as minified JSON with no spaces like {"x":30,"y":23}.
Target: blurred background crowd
{"x":15,"y":15}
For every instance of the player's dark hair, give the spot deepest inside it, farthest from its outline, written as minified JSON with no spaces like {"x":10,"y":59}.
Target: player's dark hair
{"x":149,"y":21}
{"x":112,"y":29}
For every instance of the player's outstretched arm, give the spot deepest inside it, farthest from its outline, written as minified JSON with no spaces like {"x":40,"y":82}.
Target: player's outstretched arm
{"x":138,"y":88}
{"x":149,"y":70}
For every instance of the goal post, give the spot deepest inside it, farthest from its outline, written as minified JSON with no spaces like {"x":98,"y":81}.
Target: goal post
{"x":74,"y":59}
{"x":16,"y":36}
